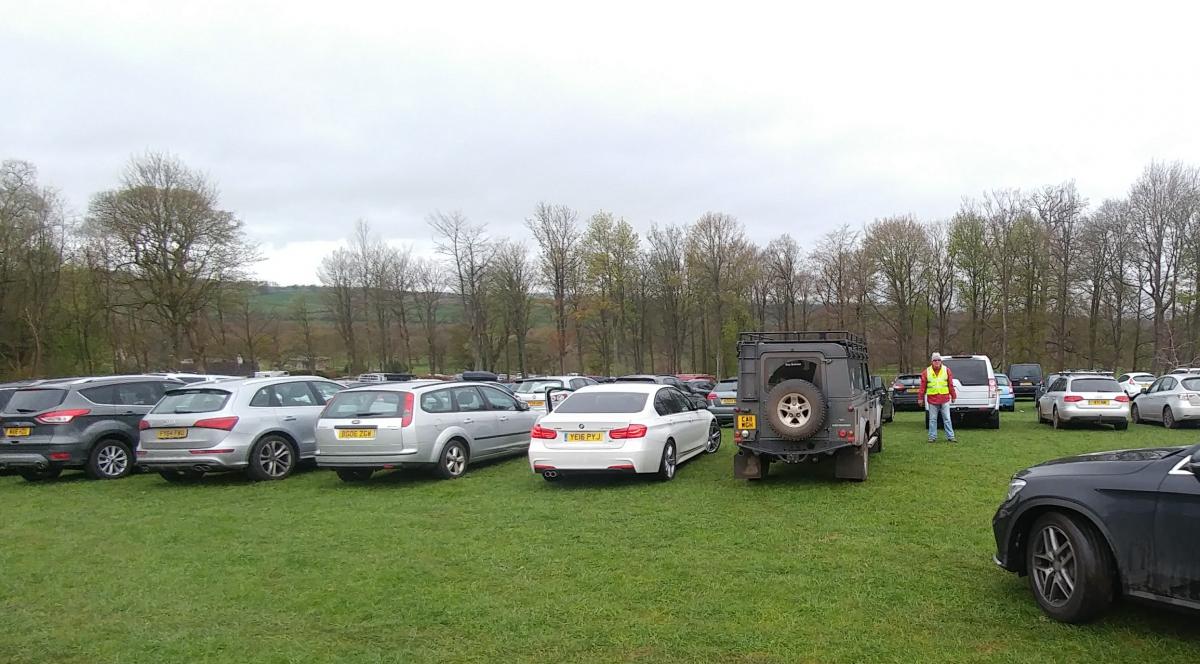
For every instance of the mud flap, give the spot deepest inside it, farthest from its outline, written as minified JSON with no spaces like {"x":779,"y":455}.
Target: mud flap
{"x":749,"y":466}
{"x":852,"y":463}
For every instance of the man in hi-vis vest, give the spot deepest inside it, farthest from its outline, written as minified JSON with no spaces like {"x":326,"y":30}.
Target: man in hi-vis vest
{"x":937,"y":392}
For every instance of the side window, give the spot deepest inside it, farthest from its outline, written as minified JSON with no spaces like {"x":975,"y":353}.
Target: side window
{"x":325,"y":390}
{"x":295,"y":395}
{"x":577,"y":383}
{"x":468,"y":399}
{"x":589,"y":381}
{"x":1122,"y":378}
{"x":136,"y":394}
{"x":102,"y":395}
{"x":682,"y":403}
{"x":1168,"y":384}
{"x":263,"y":398}
{"x":1060,"y":385}
{"x":498,"y":400}
{"x":661,"y":405}
{"x":438,"y":401}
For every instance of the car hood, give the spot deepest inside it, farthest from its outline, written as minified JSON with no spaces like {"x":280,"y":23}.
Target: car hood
{"x":1115,"y":462}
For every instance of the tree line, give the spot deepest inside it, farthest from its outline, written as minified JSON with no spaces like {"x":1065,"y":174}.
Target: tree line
{"x":155,"y":275}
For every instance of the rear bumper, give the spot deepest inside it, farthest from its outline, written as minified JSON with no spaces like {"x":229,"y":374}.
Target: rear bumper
{"x":1186,"y":411}
{"x":15,"y":456}
{"x":16,"y":460}
{"x":644,"y":457}
{"x":795,"y":452}
{"x":326,"y":460}
{"x":1027,"y":391}
{"x":905,"y":401}
{"x":183,"y":459}
{"x":1103,"y":415}
{"x":724,"y":414}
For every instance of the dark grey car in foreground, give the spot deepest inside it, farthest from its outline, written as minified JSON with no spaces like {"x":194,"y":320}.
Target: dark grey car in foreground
{"x":88,"y":423}
{"x":1088,"y":527}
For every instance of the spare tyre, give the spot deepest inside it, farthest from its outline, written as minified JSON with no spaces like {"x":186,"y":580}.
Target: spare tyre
{"x":795,"y":409}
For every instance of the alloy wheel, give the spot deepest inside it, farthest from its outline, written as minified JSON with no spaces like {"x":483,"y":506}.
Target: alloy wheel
{"x":794,"y":410}
{"x":456,"y":460}
{"x":669,"y":461}
{"x":714,"y":438}
{"x":1054,"y":566}
{"x":275,"y":458}
{"x":1168,"y":418}
{"x":112,"y":460}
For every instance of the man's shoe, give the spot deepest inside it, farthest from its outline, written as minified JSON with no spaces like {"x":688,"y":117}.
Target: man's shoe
{"x":931,"y":440}
{"x":952,"y":440}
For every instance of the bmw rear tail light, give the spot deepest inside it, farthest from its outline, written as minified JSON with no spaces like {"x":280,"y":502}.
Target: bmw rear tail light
{"x":1072,"y":398}
{"x":1122,"y":398}
{"x":631,"y":431}
{"x":222,"y":423}
{"x":61,"y":416}
{"x":542,"y":433}
{"x":407,"y":418}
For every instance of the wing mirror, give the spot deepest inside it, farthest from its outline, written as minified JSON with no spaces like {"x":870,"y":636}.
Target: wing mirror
{"x":521,"y":405}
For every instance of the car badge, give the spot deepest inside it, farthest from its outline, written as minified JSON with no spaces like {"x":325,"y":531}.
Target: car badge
{"x":581,"y":426}
{"x":355,"y":421}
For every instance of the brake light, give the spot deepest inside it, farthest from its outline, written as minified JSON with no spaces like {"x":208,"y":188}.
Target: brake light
{"x":712,"y":396}
{"x":60,"y":456}
{"x":222,"y":423}
{"x":143,"y":425}
{"x":1072,"y":398}
{"x":898,"y":386}
{"x":61,"y":416}
{"x":991,"y":388}
{"x":842,"y":433}
{"x":1122,"y":398}
{"x":543,"y":433}
{"x":631,"y":431}
{"x":407,"y":418}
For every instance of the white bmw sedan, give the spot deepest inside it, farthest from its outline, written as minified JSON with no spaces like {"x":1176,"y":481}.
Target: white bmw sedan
{"x":622,"y":427}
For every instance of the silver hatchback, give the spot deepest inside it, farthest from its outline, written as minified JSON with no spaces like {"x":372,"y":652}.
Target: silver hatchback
{"x":1092,"y":398}
{"x":442,"y":426}
{"x":263,"y":426}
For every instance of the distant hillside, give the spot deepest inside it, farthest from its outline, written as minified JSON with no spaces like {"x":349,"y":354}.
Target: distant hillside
{"x":278,"y":300}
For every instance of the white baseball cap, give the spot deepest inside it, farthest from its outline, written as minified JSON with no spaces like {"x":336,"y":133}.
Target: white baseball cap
{"x":935,"y":356}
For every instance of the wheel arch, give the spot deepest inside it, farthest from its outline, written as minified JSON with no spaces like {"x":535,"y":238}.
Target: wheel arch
{"x":1018,"y":538}
{"x":452,"y":433}
{"x":116,"y":434}
{"x":282,"y":434}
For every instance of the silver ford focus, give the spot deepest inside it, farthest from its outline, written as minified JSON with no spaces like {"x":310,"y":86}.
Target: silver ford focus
{"x":263,"y":426}
{"x":441,"y":426}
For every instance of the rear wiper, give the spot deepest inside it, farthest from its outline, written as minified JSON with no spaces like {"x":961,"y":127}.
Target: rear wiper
{"x":370,"y":414}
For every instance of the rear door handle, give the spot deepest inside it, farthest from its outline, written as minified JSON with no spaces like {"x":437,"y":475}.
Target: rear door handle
{"x":504,"y":418}
{"x":290,"y":418}
{"x":468,"y":421}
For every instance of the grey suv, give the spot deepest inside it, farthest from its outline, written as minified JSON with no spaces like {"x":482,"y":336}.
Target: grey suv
{"x":803,"y":396}
{"x":263,"y":426}
{"x":88,"y":423}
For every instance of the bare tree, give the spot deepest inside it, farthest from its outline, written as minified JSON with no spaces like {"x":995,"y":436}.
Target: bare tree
{"x":714,"y":246}
{"x":1060,"y":209}
{"x":513,"y":284}
{"x":899,"y":245}
{"x":338,"y":274}
{"x":666,"y":265}
{"x":429,"y":283}
{"x":470,"y":251}
{"x":556,"y":229}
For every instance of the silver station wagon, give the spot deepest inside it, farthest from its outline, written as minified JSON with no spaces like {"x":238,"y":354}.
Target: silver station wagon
{"x":261,"y":425}
{"x":441,"y":426}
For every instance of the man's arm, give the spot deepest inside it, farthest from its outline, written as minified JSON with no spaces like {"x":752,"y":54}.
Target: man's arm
{"x":950,"y":380}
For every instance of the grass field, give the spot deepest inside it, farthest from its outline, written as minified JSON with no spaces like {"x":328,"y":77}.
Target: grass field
{"x":501,"y":566}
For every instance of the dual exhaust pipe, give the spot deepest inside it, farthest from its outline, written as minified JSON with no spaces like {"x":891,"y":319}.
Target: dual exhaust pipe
{"x":550,"y":474}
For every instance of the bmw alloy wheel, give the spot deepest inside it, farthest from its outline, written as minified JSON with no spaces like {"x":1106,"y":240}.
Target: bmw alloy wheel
{"x":714,"y":438}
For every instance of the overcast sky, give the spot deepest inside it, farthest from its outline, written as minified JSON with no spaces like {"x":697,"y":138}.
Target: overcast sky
{"x":309,"y":116}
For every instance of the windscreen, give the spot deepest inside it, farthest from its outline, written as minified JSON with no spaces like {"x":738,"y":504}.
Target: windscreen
{"x":359,"y":404}
{"x":34,"y":401}
{"x":968,"y":371}
{"x":192,"y":401}
{"x":603,"y":403}
{"x":1095,"y":385}
{"x":1025,"y":372}
{"x":537,"y":386}
{"x":1191,"y":383}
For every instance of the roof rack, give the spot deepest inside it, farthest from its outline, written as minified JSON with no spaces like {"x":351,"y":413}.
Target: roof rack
{"x":852,"y":342}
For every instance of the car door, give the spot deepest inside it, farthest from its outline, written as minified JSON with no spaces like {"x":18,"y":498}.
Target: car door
{"x":684,"y":422}
{"x":1177,"y":532}
{"x":512,"y":423}
{"x":134,"y":400}
{"x":479,"y":422}
{"x":299,"y":406}
{"x":1150,"y":403}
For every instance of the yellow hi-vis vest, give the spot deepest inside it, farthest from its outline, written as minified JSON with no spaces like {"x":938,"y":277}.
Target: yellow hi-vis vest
{"x":937,"y":383}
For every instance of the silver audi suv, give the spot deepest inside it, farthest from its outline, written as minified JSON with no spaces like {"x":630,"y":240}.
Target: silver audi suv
{"x":263,"y":426}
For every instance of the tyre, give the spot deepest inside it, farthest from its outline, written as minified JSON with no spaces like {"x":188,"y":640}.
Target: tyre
{"x":714,"y":438}
{"x":1055,"y":421}
{"x":111,"y":459}
{"x":185,"y":476}
{"x":272,"y":458}
{"x":452,"y":462}
{"x":1169,"y":420}
{"x":1134,"y":414}
{"x":354,"y":474}
{"x":877,"y":447}
{"x":1070,"y":568}
{"x":1121,"y":426}
{"x":795,"y":409}
{"x":42,"y":475}
{"x":667,"y":466}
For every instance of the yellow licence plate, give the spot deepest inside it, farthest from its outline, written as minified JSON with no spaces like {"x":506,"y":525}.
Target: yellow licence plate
{"x":586,"y":437}
{"x":17,"y":432}
{"x":1097,"y":402}
{"x":171,"y":434}
{"x":356,"y":434}
{"x":539,"y":402}
{"x":728,"y":402}
{"x":747,"y":422}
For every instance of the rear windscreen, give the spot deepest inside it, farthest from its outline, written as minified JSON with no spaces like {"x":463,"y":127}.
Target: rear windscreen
{"x":909,"y":380}
{"x":726,"y":386}
{"x":1191,"y":383}
{"x":603,"y":403}
{"x":367,"y":403}
{"x":192,"y":401}
{"x":1095,"y":385}
{"x":968,"y":371}
{"x":537,"y":386}
{"x":1025,"y":372}
{"x":1001,"y":380}
{"x":34,"y":401}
